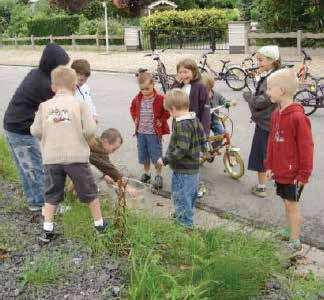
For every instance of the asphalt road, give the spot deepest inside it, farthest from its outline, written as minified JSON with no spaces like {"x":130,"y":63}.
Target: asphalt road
{"x":112,"y":94}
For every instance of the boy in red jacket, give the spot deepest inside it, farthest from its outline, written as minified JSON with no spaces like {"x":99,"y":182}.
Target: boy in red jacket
{"x":151,"y":124}
{"x":290,"y":150}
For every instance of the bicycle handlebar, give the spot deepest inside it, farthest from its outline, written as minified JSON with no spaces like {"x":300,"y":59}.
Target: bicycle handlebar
{"x":306,"y":56}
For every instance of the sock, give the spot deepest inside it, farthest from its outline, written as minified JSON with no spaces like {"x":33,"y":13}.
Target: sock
{"x":295,"y":243}
{"x":261,"y":186}
{"x":48,"y":226}
{"x":98,"y":222}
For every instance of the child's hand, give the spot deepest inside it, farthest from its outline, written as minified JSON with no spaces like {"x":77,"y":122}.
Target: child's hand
{"x":269,"y":174}
{"x":158,"y":123}
{"x":108,"y":179}
{"x":179,"y":78}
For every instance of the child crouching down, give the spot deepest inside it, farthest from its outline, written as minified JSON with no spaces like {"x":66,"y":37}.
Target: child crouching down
{"x":186,"y":143}
{"x":151,"y":124}
{"x":63,"y":125}
{"x":100,"y":149}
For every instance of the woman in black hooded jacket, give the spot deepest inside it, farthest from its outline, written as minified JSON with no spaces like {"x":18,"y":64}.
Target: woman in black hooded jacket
{"x":19,"y":116}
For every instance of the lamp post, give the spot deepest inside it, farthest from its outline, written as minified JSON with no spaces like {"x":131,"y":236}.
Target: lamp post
{"x":104,"y":4}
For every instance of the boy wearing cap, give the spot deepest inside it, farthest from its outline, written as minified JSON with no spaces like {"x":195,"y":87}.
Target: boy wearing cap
{"x":261,"y":109}
{"x":290,"y":150}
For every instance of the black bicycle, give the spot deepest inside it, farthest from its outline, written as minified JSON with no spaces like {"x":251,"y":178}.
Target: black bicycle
{"x":233,"y":76}
{"x":161,"y":75}
{"x":312,"y":97}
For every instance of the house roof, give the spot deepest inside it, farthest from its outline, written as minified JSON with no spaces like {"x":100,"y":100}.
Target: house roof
{"x":161,"y":2}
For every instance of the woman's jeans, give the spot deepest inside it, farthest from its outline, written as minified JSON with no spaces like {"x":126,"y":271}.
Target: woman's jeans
{"x":184,"y":195}
{"x":27,"y":156}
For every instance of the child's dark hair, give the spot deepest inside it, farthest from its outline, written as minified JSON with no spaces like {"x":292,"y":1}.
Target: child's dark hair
{"x":112,"y":135}
{"x":81,"y":66}
{"x":144,"y":77}
{"x":191,"y":65}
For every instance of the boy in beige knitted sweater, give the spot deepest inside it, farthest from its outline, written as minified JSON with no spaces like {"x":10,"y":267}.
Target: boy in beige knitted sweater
{"x":62,"y":125}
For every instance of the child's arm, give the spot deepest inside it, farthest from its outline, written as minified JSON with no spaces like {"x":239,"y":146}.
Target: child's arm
{"x":89,"y":125}
{"x":165,"y":115}
{"x":36,"y":127}
{"x":133,"y":109}
{"x":269,"y":156}
{"x":89,"y":101}
{"x":257,"y":102}
{"x":218,"y":99}
{"x":105,"y":166}
{"x":305,"y":148}
{"x":180,"y":141}
{"x":204,"y":110}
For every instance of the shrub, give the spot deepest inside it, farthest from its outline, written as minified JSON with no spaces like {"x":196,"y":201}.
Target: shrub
{"x":59,"y":25}
{"x":20,"y":15}
{"x":6,"y":7}
{"x":195,"y":19}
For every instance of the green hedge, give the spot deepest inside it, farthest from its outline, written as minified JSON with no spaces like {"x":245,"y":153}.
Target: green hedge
{"x":57,"y":26}
{"x":196,"y":19}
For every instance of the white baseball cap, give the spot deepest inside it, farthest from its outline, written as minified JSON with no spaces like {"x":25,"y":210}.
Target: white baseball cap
{"x":270,"y":51}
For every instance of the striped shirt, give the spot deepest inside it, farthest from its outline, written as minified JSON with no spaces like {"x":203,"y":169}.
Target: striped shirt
{"x":146,"y":125}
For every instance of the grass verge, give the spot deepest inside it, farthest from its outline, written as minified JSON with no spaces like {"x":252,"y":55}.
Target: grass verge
{"x":45,"y":268}
{"x":168,"y":262}
{"x":7,"y":168}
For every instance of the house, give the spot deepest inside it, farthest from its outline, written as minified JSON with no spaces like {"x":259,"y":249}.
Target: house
{"x":160,"y":5}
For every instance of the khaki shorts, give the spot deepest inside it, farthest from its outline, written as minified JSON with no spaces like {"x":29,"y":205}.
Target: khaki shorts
{"x":81,"y":176}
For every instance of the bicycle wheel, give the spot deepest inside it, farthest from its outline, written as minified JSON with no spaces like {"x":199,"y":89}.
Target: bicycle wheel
{"x":308,"y":100}
{"x":235,"y":78}
{"x":234,"y":165}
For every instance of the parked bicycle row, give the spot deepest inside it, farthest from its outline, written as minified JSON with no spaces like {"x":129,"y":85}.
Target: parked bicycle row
{"x":246,"y":75}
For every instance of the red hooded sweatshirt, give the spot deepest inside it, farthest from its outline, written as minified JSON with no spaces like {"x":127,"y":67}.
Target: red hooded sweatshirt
{"x":290,"y":145}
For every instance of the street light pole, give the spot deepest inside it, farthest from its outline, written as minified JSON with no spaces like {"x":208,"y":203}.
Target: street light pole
{"x":104,"y":4}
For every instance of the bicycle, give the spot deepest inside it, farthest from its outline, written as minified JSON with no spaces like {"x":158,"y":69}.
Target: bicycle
{"x":311,"y":98}
{"x":233,"y":163}
{"x":161,"y":75}
{"x":233,"y":76}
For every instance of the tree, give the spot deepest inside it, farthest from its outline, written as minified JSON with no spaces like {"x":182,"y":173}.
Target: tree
{"x":288,"y":15}
{"x":69,"y":5}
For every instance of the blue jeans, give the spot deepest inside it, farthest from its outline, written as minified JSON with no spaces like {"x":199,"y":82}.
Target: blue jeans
{"x":27,"y":156}
{"x":184,"y":188}
{"x":217,"y":128}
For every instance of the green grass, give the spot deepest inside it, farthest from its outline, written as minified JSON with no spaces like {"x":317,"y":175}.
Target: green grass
{"x":165,"y":260}
{"x":304,"y":287}
{"x":45,"y":268}
{"x":11,"y":238}
{"x":7,"y":169}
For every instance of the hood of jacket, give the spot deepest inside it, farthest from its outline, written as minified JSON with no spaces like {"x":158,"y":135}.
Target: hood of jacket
{"x":188,"y":116}
{"x":292,"y":108}
{"x":52,"y":57}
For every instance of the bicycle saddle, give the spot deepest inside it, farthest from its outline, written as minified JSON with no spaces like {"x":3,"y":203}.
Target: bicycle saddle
{"x":225,"y":61}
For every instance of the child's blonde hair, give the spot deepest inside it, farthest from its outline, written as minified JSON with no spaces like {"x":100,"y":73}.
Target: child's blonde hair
{"x":176,"y":98}
{"x":286,"y":79}
{"x":191,"y":65}
{"x":64,"y":77}
{"x":208,"y":81}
